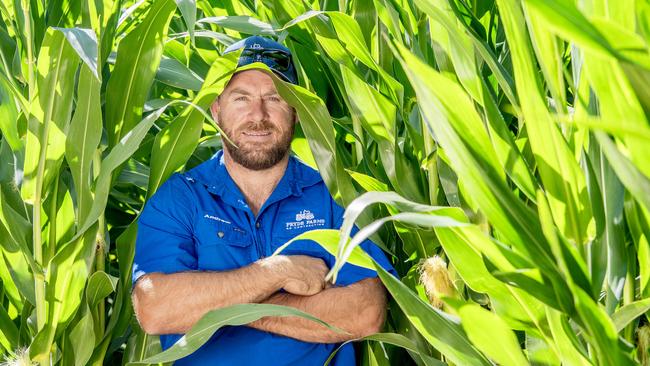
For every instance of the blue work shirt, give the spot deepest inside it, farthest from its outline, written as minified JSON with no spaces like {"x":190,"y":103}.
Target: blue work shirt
{"x":200,"y":220}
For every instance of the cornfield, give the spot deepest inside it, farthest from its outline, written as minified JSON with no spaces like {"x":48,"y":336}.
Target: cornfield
{"x":497,"y":150}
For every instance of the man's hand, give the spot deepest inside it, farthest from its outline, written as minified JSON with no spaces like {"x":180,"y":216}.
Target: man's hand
{"x":304,"y":275}
{"x":359,"y":309}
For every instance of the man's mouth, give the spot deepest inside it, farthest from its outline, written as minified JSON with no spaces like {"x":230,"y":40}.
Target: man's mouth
{"x":257,"y":133}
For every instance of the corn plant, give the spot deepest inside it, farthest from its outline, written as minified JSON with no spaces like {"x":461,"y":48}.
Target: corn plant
{"x":496,"y":149}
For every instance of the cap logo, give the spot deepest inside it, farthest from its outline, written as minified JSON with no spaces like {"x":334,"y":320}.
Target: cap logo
{"x":256,"y":46}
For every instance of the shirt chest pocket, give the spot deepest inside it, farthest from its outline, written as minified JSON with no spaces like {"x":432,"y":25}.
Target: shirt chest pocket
{"x":222,"y":246}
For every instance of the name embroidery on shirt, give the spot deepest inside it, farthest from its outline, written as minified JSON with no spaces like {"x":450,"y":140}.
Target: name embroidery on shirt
{"x":207,"y":216}
{"x":304,"y":219}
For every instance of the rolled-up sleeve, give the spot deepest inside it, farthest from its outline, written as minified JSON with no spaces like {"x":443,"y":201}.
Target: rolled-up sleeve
{"x":164,"y":241}
{"x":351,"y":273}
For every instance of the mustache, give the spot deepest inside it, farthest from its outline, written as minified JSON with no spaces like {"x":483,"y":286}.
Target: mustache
{"x":256,"y":126}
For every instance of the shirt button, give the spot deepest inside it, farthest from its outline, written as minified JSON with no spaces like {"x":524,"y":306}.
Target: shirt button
{"x":257,"y":224}
{"x":220,"y":234}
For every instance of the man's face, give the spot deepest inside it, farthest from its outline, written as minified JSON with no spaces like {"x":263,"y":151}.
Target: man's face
{"x":254,"y":116}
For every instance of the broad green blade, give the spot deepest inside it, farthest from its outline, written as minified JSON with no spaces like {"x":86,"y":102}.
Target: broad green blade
{"x":82,"y":337}
{"x":118,"y":155}
{"x":138,"y":57}
{"x":188,"y":10}
{"x":48,"y":123}
{"x":566,"y":342}
{"x":459,"y":131}
{"x":563,"y":180}
{"x":83,"y":138}
{"x":241,"y":23}
{"x":635,"y":182}
{"x":212,"y":321}
{"x":377,"y":115}
{"x":9,"y":116}
{"x":100,"y":285}
{"x":441,"y":330}
{"x":84,"y":42}
{"x":66,"y":278}
{"x":628,"y":313}
{"x":499,"y":343}
{"x":172,"y":72}
{"x":600,"y":327}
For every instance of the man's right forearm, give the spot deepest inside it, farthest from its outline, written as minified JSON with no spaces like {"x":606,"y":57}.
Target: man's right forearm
{"x":173,"y":303}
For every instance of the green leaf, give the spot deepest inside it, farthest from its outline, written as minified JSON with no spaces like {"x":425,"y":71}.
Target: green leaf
{"x":19,"y":235}
{"x":377,"y":115}
{"x":83,"y":138}
{"x":100,"y":285}
{"x":174,"y":73}
{"x":601,"y":330}
{"x":460,"y":132}
{"x":499,"y":343}
{"x":242,"y":24}
{"x":569,"y":348}
{"x":9,"y":116}
{"x":82,"y":337}
{"x":630,"y":176}
{"x":188,"y":10}
{"x":9,"y":336}
{"x":567,"y":21}
{"x":329,"y":240}
{"x":113,"y":160}
{"x":8,"y":284}
{"x":50,"y":114}
{"x":613,"y":197}
{"x":212,"y":321}
{"x":118,"y":155}
{"x":138,"y":57}
{"x":441,"y":330}
{"x":66,"y":278}
{"x":395,"y":340}
{"x":356,"y":208}
{"x":20,"y":273}
{"x":640,"y":232}
{"x":84,"y":42}
{"x":502,"y":76}
{"x":563,"y":180}
{"x":626,"y":314}
{"x":367,"y":182}
{"x":466,"y":247}
{"x":425,"y":220}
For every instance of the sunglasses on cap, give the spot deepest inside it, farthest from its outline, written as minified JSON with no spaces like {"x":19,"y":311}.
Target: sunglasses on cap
{"x":267,"y":51}
{"x":275,"y":59}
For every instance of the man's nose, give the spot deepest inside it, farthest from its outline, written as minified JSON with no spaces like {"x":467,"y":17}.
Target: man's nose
{"x":258,"y":110}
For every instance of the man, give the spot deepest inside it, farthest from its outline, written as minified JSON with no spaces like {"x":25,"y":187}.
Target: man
{"x":206,"y":236}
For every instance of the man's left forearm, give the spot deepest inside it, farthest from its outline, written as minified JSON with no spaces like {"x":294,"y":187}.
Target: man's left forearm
{"x":359,"y":309}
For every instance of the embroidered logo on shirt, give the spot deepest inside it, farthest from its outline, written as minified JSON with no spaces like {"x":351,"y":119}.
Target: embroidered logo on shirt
{"x":304,"y":219}
{"x":304,"y":215}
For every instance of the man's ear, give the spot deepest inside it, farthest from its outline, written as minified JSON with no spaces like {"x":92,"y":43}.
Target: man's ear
{"x":214,"y":109}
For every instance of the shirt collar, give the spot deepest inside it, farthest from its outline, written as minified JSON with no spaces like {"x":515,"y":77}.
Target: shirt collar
{"x":214,"y":175}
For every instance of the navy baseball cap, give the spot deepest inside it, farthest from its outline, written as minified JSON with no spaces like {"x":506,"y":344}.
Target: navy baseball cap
{"x":267,"y":51}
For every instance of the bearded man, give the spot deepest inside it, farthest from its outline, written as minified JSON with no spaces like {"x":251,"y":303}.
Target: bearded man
{"x":206,"y":237}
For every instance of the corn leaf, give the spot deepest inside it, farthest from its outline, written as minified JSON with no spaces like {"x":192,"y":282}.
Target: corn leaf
{"x":212,"y":321}
{"x":138,"y":57}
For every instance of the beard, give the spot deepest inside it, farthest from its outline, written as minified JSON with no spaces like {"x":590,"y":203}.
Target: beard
{"x":256,"y":156}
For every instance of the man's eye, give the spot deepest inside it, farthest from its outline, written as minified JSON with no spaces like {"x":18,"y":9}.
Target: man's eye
{"x":241,"y":99}
{"x":274,"y":99}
